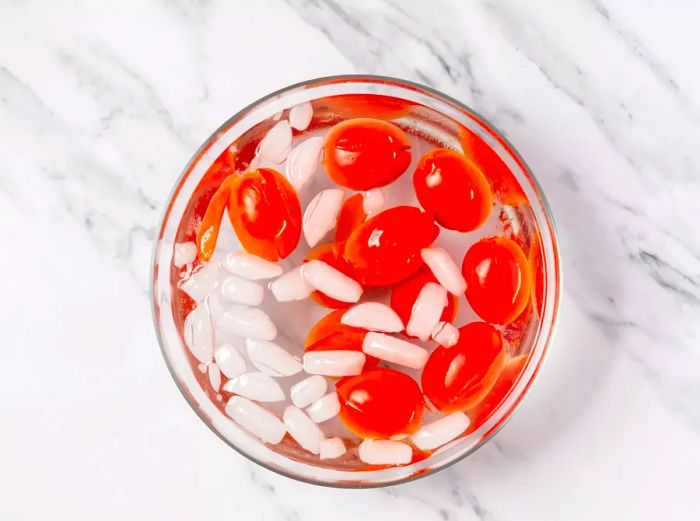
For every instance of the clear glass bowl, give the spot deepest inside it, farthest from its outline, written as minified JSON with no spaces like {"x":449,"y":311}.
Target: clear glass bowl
{"x":425,"y":105}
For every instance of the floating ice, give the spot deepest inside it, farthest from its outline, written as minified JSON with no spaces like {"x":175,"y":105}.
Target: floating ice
{"x":255,"y":386}
{"x":243,"y":321}
{"x":302,"y":429}
{"x":445,"y":270}
{"x":251,"y":266}
{"x":385,"y":452}
{"x":300,"y":116}
{"x":199,"y":333}
{"x":303,"y":161}
{"x":291,"y":286}
{"x":324,"y":408}
{"x":184,"y":253}
{"x":330,"y":281}
{"x":373,"y":316}
{"x":229,"y":360}
{"x":445,"y":334}
{"x":321,"y":214}
{"x":214,"y":376}
{"x":426,"y":310}
{"x":437,"y":433}
{"x":394,"y":350}
{"x":202,"y":282}
{"x":276,"y":144}
{"x":332,"y":448}
{"x":373,"y":200}
{"x":242,"y":291}
{"x":255,"y":419}
{"x":308,"y":390}
{"x":334,"y":363}
{"x":271,"y":359}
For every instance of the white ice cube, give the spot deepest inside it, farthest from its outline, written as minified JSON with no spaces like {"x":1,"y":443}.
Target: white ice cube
{"x":321,"y":214}
{"x":334,"y":363}
{"x":331,"y":282}
{"x":332,"y":448}
{"x":214,"y":376}
{"x":272,"y":359}
{"x":255,"y":419}
{"x":276,"y":144}
{"x":255,"y":386}
{"x":385,"y":452}
{"x":184,"y":253}
{"x":229,"y":360}
{"x":202,"y":282}
{"x":445,"y":334}
{"x":373,"y":316}
{"x":303,"y":161}
{"x":300,"y":116}
{"x":302,"y":429}
{"x":199,"y":333}
{"x":242,"y":291}
{"x":243,"y":321}
{"x":373,"y":200}
{"x":324,"y":408}
{"x":291,"y":286}
{"x":394,"y":350}
{"x":444,"y":269}
{"x":427,"y":310}
{"x":251,"y":266}
{"x":433,"y":435}
{"x":308,"y":390}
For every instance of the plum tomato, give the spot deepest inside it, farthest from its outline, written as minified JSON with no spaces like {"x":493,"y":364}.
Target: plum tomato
{"x":351,"y":215}
{"x":327,"y":253}
{"x":509,"y":375}
{"x":265,"y":213}
{"x":503,"y":183}
{"x":498,"y":279}
{"x":405,"y":293}
{"x":459,"y":377}
{"x":380,"y":403}
{"x":364,"y":153}
{"x":453,"y":188}
{"x":328,"y":334}
{"x":385,"y":249}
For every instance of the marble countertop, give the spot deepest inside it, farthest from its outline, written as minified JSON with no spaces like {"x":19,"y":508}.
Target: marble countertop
{"x":101,"y":104}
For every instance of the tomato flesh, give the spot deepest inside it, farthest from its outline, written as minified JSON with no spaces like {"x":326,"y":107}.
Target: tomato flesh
{"x":386,"y":248}
{"x":453,"y":188}
{"x":365,"y":153}
{"x":405,"y":293}
{"x":327,"y":253}
{"x":498,"y":279}
{"x":380,"y":403}
{"x":265,"y":213}
{"x":459,"y":377}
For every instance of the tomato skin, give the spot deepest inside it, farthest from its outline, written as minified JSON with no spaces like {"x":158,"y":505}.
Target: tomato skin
{"x":208,"y":231}
{"x":405,"y":293}
{"x":327,"y":253}
{"x":509,"y":375}
{"x":380,"y":403}
{"x":498,"y":278}
{"x":265,"y":213}
{"x":328,"y":334}
{"x":386,"y":248}
{"x":351,"y":215}
{"x":364,"y":153}
{"x":503,"y":183}
{"x":459,"y":377}
{"x":453,"y":188}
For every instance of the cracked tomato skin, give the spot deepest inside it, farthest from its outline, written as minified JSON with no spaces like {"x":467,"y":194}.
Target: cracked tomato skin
{"x":499,"y":279}
{"x":265,"y":213}
{"x":380,"y":403}
{"x":328,"y":334}
{"x":405,"y":293}
{"x":385,"y":249}
{"x":459,"y":377}
{"x":327,"y":253}
{"x":364,"y":153}
{"x":453,"y":189}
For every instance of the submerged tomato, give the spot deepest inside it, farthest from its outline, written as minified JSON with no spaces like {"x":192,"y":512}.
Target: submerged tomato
{"x":265,"y":213}
{"x":505,"y":187}
{"x":498,"y":279}
{"x":380,"y":403}
{"x":405,"y":293}
{"x":509,"y":375}
{"x":453,"y":188}
{"x":327,"y":253}
{"x":330,"y":335}
{"x":351,"y":215}
{"x":364,"y":153}
{"x":386,"y":248}
{"x":459,"y":377}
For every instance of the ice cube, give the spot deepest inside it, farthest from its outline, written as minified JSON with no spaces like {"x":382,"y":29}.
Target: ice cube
{"x":445,"y":270}
{"x":303,"y":161}
{"x":433,"y":435}
{"x":374,"y":316}
{"x":255,"y":386}
{"x":426,"y":310}
{"x":321,"y":214}
{"x":243,"y":321}
{"x":308,"y":390}
{"x":271,"y":359}
{"x":324,"y":408}
{"x":445,"y":334}
{"x":302,"y":429}
{"x":394,"y":350}
{"x":334,"y":363}
{"x":242,"y":291}
{"x":300,"y":116}
{"x":255,"y":419}
{"x":202,"y":282}
{"x":291,"y":286}
{"x":199,"y":333}
{"x":214,"y":376}
{"x":385,"y":452}
{"x":373,"y":200}
{"x":184,"y":253}
{"x":276,"y":144}
{"x":330,"y":281}
{"x":229,"y":360}
{"x":332,"y":448}
{"x":251,"y":266}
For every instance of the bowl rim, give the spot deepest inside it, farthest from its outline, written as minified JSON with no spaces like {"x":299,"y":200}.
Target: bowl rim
{"x":399,"y":82}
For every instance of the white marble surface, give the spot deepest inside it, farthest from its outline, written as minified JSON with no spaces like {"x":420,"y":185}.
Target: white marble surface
{"x":101,"y":103}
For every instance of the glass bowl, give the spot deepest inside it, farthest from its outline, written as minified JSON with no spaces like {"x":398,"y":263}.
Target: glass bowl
{"x":422,"y":111}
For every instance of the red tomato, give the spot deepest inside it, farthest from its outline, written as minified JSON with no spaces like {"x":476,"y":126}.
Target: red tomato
{"x":330,"y":335}
{"x":208,"y":231}
{"x":265,"y":213}
{"x":327,"y":254}
{"x":505,"y":187}
{"x":453,"y":189}
{"x":509,"y":375}
{"x":405,"y":293}
{"x":498,"y":279}
{"x":380,"y":403}
{"x":386,"y":248}
{"x":364,"y":153}
{"x":351,"y":215}
{"x":368,"y":106}
{"x":459,"y":377}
